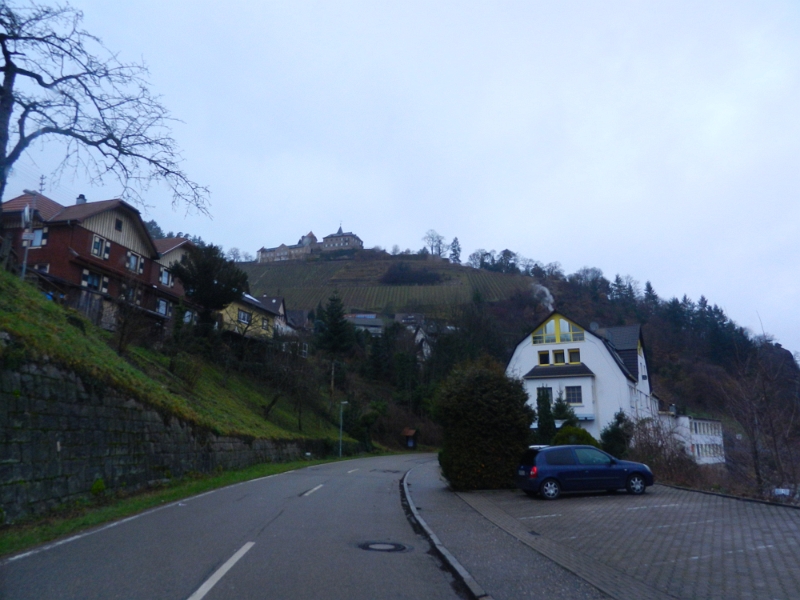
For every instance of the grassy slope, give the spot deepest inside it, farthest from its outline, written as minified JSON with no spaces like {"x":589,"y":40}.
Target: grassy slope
{"x":305,"y":284}
{"x":40,"y":328}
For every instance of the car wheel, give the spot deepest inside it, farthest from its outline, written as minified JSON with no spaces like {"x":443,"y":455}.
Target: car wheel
{"x":550,"y":490}
{"x":635,"y":484}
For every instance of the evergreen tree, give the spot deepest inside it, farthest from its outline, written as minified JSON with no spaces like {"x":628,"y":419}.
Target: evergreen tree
{"x":209,"y":279}
{"x":338,"y":336}
{"x":547,"y":424}
{"x":562,"y":411}
{"x":617,"y":435}
{"x":455,"y":251}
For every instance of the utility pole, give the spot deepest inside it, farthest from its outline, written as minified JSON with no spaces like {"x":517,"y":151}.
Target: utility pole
{"x":341,"y":413}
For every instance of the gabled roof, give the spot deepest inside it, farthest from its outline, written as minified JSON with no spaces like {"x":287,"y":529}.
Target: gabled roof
{"x":254,"y":302}
{"x":273,"y":303}
{"x":550,"y":371}
{"x":625,"y":340}
{"x":81,"y":212}
{"x":340,"y":233}
{"x":46,"y":207}
{"x":612,"y":349}
{"x":53,"y":212}
{"x":166,"y":245}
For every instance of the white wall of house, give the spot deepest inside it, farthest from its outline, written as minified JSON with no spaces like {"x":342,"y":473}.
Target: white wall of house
{"x":608,"y":392}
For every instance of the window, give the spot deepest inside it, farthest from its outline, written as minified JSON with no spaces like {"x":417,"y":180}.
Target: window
{"x":245,"y":317}
{"x":118,"y":225}
{"x":574,"y":394}
{"x":189,"y":317}
{"x":37,"y":238}
{"x":544,"y":358}
{"x":166,"y":277}
{"x":163,"y":307}
{"x":558,"y":357}
{"x":590,"y":456}
{"x":558,"y":331}
{"x":548,"y":391}
{"x":264,"y":323}
{"x":98,"y":246}
{"x":93,"y":281}
{"x":42,"y":267}
{"x":574,"y":356}
{"x":560,"y":456}
{"x":134,"y":262}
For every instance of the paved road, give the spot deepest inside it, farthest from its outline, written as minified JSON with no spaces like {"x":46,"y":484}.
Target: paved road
{"x":667,"y":543}
{"x":295,"y":535}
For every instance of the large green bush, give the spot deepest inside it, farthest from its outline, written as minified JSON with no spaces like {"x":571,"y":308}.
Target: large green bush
{"x":569,"y":435}
{"x":485,"y":423}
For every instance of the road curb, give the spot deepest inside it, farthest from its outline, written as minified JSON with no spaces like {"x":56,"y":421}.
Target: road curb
{"x":729,"y":496}
{"x":474,"y":588}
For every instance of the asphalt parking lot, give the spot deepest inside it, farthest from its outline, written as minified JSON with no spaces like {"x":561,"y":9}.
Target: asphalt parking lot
{"x":668,"y":542}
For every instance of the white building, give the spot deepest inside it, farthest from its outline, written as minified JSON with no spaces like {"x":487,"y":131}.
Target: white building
{"x":600,"y":372}
{"x":702,"y":438}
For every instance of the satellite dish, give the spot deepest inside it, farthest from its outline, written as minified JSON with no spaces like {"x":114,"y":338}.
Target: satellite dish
{"x":593,"y":326}
{"x":26,"y":216}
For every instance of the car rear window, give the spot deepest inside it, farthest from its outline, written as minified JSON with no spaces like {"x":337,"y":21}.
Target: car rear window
{"x":560,"y":456}
{"x":529,"y":458}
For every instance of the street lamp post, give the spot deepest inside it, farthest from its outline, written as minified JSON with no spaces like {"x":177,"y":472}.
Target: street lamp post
{"x":341,"y":409}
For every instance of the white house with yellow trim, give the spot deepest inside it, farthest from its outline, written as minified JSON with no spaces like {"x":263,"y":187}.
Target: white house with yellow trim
{"x":597,"y":372}
{"x":600,"y":372}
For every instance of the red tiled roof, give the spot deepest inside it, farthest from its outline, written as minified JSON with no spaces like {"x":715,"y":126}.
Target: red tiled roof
{"x":165,"y":245}
{"x":79,"y":212}
{"x":46,"y":207}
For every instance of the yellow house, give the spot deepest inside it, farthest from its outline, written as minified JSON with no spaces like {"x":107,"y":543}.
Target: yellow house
{"x":248,"y":317}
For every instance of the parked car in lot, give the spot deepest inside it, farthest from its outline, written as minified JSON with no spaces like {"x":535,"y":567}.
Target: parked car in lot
{"x":548,"y":471}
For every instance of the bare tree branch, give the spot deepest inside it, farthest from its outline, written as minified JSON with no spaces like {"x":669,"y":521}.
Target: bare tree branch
{"x":60,"y":83}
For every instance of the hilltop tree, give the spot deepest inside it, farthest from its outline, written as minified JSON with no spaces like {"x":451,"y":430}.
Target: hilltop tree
{"x":61,"y":83}
{"x":434,"y":243}
{"x":455,"y":251}
{"x":209,"y":279}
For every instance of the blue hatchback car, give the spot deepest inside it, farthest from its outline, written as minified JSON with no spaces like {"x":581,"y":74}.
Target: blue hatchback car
{"x":548,"y":471}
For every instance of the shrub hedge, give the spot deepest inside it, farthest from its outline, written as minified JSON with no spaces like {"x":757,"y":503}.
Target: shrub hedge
{"x":485,"y":424}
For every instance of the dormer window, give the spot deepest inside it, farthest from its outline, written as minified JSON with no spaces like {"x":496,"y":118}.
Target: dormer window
{"x":118,"y":225}
{"x":558,"y":330}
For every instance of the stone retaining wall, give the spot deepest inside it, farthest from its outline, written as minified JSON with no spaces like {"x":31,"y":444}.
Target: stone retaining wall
{"x":58,"y":435}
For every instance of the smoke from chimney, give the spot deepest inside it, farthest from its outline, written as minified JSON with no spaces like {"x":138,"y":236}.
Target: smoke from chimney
{"x":543,"y":295}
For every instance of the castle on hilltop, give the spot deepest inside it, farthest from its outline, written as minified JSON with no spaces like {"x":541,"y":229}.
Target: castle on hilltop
{"x":308,"y":245}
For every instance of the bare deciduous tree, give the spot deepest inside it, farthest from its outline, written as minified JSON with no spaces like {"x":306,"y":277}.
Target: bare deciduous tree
{"x":434,"y":243}
{"x":61,"y":83}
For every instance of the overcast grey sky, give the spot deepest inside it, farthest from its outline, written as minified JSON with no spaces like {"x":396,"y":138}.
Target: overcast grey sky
{"x":655,"y":139}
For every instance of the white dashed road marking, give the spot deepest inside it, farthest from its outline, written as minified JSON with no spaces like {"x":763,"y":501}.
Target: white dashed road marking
{"x":220,"y":573}
{"x":311,"y":491}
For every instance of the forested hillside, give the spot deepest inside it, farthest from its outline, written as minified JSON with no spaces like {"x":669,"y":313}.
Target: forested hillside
{"x":700,"y":360}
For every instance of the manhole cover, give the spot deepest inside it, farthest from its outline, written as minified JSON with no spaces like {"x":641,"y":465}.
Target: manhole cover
{"x":383,"y":547}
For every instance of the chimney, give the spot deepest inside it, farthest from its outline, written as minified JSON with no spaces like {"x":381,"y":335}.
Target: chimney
{"x":80,"y":200}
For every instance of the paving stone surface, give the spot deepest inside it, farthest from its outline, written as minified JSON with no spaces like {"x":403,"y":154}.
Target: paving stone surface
{"x":666,"y":543}
{"x":505,"y":568}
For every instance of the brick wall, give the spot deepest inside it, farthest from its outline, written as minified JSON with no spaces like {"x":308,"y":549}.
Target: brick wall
{"x":59,"y":434}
